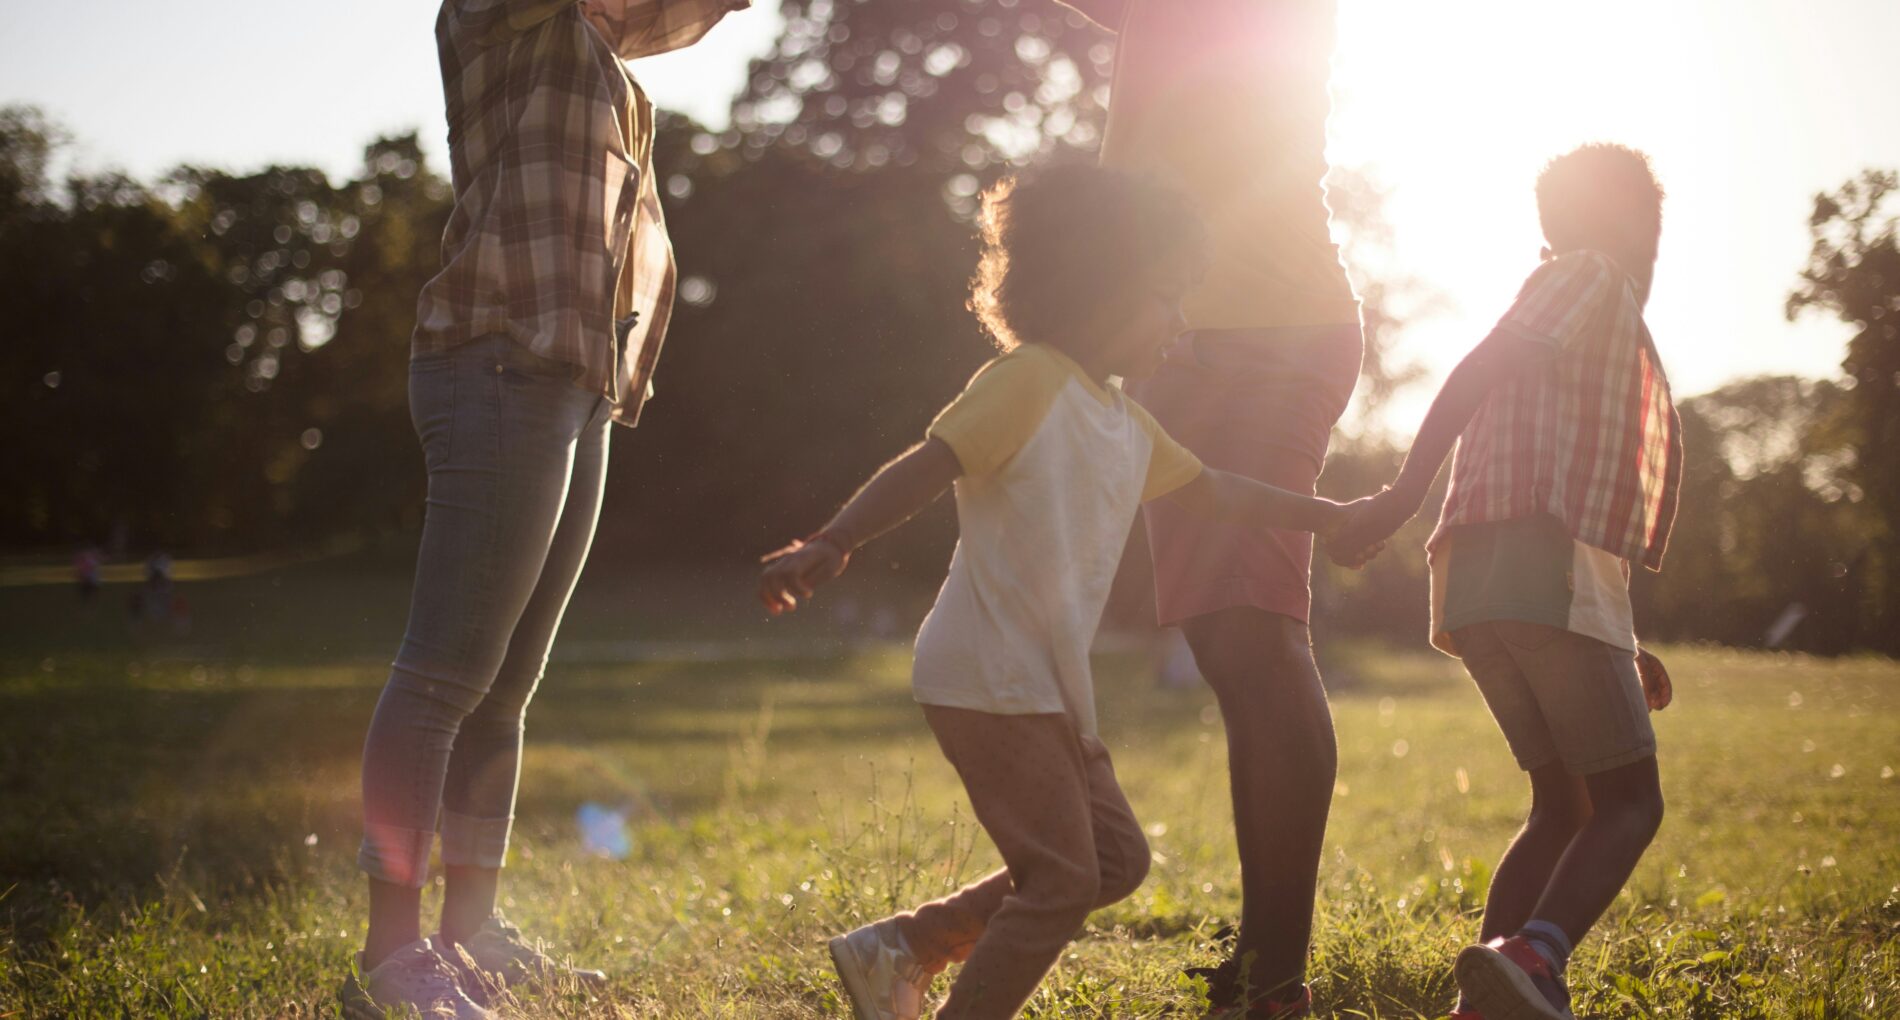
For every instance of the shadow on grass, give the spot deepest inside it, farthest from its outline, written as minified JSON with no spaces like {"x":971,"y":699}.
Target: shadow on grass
{"x":119,"y":788}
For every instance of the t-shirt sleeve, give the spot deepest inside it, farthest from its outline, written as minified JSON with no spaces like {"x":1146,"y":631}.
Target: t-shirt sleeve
{"x":1170,"y":465}
{"x":1562,"y":298}
{"x":998,"y":411}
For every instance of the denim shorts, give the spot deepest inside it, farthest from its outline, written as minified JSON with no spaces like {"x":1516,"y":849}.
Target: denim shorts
{"x":1559,"y":696}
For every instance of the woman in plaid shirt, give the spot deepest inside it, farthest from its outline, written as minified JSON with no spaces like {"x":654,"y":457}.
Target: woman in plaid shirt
{"x":541,"y":329}
{"x":1568,"y":461}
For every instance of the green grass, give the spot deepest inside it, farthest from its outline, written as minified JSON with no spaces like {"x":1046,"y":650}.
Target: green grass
{"x":180,"y":822}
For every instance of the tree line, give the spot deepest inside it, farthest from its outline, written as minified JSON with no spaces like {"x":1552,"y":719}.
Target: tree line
{"x":214,"y":361}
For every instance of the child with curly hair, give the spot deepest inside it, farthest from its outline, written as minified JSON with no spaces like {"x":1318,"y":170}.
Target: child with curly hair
{"x":1082,"y":278}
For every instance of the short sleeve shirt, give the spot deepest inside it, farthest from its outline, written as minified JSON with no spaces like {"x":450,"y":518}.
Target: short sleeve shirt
{"x":1055,"y":468}
{"x":1590,"y":435}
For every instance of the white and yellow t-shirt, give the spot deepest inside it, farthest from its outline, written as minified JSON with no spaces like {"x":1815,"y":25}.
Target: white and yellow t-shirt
{"x":1055,"y":468}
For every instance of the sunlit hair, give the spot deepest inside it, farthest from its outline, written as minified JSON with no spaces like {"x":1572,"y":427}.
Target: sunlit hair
{"x":1059,"y":243}
{"x":1599,"y":195}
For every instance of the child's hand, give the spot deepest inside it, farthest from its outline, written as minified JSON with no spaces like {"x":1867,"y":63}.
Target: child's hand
{"x":794,"y":571}
{"x":1657,"y":689}
{"x":1338,"y":519}
{"x":1372,"y":521}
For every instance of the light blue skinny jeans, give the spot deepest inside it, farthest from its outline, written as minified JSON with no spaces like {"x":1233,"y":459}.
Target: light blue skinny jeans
{"x":516,"y":455}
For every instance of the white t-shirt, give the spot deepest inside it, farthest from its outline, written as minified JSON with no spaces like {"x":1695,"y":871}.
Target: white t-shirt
{"x":1055,"y":467}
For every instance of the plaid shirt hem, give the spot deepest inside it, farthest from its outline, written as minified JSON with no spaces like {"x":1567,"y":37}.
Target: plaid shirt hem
{"x":558,"y":239}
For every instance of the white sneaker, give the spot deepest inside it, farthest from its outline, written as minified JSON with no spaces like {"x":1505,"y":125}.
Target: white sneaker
{"x":499,"y":948}
{"x":415,"y":977}
{"x":881,"y":977}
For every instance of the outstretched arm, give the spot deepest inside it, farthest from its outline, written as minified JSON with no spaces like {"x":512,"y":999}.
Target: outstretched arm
{"x":1106,"y":13}
{"x":642,"y":28}
{"x":1501,"y":356}
{"x":894,"y":495}
{"x":1236,"y":499}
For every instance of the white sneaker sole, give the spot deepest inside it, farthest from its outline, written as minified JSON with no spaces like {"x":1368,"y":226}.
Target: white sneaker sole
{"x":1500,"y":989}
{"x":857,"y":988}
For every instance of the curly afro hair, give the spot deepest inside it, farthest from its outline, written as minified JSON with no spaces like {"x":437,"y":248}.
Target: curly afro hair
{"x":1599,"y":195}
{"x":1060,"y":243}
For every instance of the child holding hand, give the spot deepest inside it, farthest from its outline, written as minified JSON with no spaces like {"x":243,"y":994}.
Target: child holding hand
{"x":1569,"y":459}
{"x":1081,"y":279}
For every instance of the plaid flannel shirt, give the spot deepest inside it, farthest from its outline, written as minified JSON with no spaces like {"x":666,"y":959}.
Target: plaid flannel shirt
{"x":557,"y":238}
{"x":1590,"y":435}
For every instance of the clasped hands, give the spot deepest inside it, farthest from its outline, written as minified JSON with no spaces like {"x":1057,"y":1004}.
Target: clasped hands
{"x":1364,"y":525}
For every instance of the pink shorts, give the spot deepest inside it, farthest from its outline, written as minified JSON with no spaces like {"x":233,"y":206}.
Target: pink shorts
{"x":1260,"y":403}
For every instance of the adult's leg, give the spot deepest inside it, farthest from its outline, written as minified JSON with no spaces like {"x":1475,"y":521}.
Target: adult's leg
{"x":1261,"y":403}
{"x":1282,"y":761}
{"x":498,"y":475}
{"x":478,"y":795}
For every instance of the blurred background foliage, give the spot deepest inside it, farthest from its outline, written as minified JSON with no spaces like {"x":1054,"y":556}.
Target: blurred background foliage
{"x":214,"y":363}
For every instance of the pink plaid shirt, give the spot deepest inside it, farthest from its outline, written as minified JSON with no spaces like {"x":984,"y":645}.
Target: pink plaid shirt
{"x":557,"y":238}
{"x":1589,"y":435}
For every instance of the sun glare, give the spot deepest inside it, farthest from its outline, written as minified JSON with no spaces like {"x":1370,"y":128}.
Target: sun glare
{"x":1455,"y":108}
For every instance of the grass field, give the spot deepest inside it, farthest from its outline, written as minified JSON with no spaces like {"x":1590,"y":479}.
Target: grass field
{"x":180,"y":825}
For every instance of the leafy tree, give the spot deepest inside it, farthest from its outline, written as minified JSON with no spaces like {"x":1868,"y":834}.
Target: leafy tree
{"x":1853,"y":272}
{"x":1768,"y":520}
{"x":106,"y":392}
{"x":955,"y":87}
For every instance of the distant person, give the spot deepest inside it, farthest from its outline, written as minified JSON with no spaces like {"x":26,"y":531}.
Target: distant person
{"x":158,"y":571}
{"x":541,"y":329}
{"x":88,"y":565}
{"x":1569,"y":460}
{"x":153,"y":600}
{"x":1082,"y":278}
{"x":1228,"y":101}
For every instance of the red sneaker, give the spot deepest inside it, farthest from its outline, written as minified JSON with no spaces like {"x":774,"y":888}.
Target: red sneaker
{"x":1508,"y":979}
{"x":1465,"y":1014}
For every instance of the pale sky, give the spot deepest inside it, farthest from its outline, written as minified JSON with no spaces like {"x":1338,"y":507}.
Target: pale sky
{"x":1748,"y":108}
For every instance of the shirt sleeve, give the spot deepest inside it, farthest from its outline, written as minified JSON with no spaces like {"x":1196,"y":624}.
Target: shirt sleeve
{"x":998,"y":411}
{"x":1562,"y":298}
{"x":1170,"y":465}
{"x":492,"y":22}
{"x":642,"y":28}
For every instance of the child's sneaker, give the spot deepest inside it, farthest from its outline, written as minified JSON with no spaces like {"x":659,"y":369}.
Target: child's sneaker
{"x":499,"y":948}
{"x":415,"y":977}
{"x":1465,"y":1014}
{"x":881,"y":978}
{"x":1508,"y":979}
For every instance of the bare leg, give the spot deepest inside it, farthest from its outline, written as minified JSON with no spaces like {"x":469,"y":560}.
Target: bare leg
{"x":1560,"y":807}
{"x":1599,"y":861}
{"x":1282,"y":760}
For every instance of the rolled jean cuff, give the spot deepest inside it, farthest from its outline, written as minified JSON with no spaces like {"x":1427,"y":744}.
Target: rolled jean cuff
{"x":396,"y":855}
{"x":469,"y":842}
